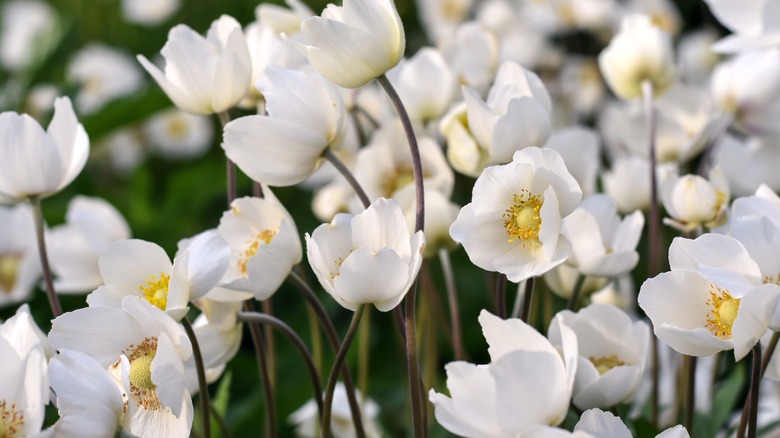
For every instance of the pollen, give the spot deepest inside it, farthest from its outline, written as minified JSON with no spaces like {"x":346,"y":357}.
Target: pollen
{"x":141,"y":372}
{"x":142,"y":389}
{"x":253,"y":245}
{"x":605,"y":363}
{"x":156,"y":290}
{"x":723,"y":313}
{"x":522,"y":220}
{"x":11,"y":420}
{"x":9,"y":269}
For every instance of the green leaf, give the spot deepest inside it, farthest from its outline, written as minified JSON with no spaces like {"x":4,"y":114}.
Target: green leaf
{"x":220,"y":403}
{"x":726,"y":399}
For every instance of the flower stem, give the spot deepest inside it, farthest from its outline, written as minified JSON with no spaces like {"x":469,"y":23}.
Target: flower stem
{"x":271,"y":321}
{"x":364,"y":343}
{"x":755,"y":383}
{"x":335,"y":343}
{"x":270,"y":345}
{"x":345,"y":172}
{"x":653,"y":226}
{"x":767,"y":356}
{"x":575,"y":293}
{"x":501,"y":296}
{"x":452,"y":297}
{"x":257,"y":342}
{"x":37,"y":211}
{"x":690,"y":397}
{"x":203,"y":395}
{"x":334,"y":372}
{"x":527,"y":295}
{"x":232,"y":190}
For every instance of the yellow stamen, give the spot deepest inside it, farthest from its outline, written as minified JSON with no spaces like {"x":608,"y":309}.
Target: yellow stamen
{"x":9,"y":269}
{"x":141,"y":372}
{"x":723,"y":314}
{"x":142,"y":390}
{"x":11,"y":420}
{"x":156,"y":291}
{"x":606,"y":363}
{"x":522,"y":220}
{"x":253,"y":245}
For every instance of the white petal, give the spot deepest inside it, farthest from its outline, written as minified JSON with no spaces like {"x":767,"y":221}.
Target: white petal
{"x":368,"y":276}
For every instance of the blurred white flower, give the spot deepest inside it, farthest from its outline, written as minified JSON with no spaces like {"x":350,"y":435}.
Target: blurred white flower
{"x":38,"y":163}
{"x":513,"y":223}
{"x":91,"y":226}
{"x":562,"y":279}
{"x":219,"y":336}
{"x":103,"y":73}
{"x":307,"y":421}
{"x":353,"y":44}
{"x":204,"y":75}
{"x":440,"y":18}
{"x":581,"y":86}
{"x":149,"y":12}
{"x":367,"y":258}
{"x":124,"y":150}
{"x":640,"y":52}
{"x":628,"y":182}
{"x":580,"y":150}
{"x":282,"y":19}
{"x":748,"y":163}
{"x":662,"y":13}
{"x":754,"y":25}
{"x":26,"y":25}
{"x":695,"y":57}
{"x":20,"y":266}
{"x":40,"y":99}
{"x":473,"y":54}
{"x":440,"y":213}
{"x":693,"y":201}
{"x":764,"y":202}
{"x":425,"y":84}
{"x":178,"y":134}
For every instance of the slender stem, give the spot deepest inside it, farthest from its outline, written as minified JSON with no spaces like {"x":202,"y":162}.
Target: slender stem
{"x":527,"y":294}
{"x":270,"y":345}
{"x":334,"y":372}
{"x":575,"y":293}
{"x":452,"y":297}
{"x":232,"y":190}
{"x":257,"y":190}
{"x":767,"y":356}
{"x":335,"y":343}
{"x":419,"y":220}
{"x":345,"y":172}
{"x":271,"y":321}
{"x":501,"y":296}
{"x":37,"y":211}
{"x":654,"y":224}
{"x":362,"y":111}
{"x":364,"y":343}
{"x":690,"y":397}
{"x":205,"y":412}
{"x":755,"y":384}
{"x":265,"y":379}
{"x":316,"y":338}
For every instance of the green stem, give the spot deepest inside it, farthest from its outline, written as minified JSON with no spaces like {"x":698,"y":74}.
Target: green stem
{"x":345,"y":172}
{"x":364,"y":344}
{"x":527,"y":295}
{"x":270,"y":344}
{"x":54,"y":301}
{"x":203,"y":395}
{"x":501,"y":296}
{"x":575,"y":293}
{"x":690,"y":398}
{"x":232,"y":189}
{"x":265,"y":379}
{"x":755,"y":384}
{"x":334,"y":372}
{"x":271,"y":321}
{"x":452,"y":297}
{"x":767,"y":356}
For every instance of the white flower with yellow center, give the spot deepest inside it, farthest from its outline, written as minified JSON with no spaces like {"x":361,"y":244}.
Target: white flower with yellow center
{"x":146,"y":351}
{"x":20,"y":266}
{"x":715,"y":298}
{"x":143,"y":270}
{"x":513,"y":223}
{"x":264,"y":246}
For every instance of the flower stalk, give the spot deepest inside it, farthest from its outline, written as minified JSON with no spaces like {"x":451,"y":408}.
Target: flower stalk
{"x":452,"y":298}
{"x":54,"y":301}
{"x":347,"y":174}
{"x":203,"y":395}
{"x":527,"y":296}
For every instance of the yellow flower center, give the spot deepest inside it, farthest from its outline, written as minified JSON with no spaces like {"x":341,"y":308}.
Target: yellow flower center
{"x":9,"y":268}
{"x":772,"y":279}
{"x":400,"y":178}
{"x":11,"y":420}
{"x":724,"y":310}
{"x":176,"y":127}
{"x":606,"y":363}
{"x":142,"y":390}
{"x":522,"y":219}
{"x":156,"y":291}
{"x":253,"y":245}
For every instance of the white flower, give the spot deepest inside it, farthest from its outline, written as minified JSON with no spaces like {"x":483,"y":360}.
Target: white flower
{"x":355,"y":43}
{"x":219,"y":336}
{"x":513,"y":223}
{"x":714,"y":298}
{"x":142,"y":270}
{"x":628,"y":182}
{"x":26,"y":27}
{"x":20,"y":265}
{"x":440,"y":18}
{"x":579,"y":148}
{"x":749,"y":163}
{"x":640,"y":52}
{"x":562,"y":279}
{"x":125,"y":150}
{"x":305,"y":116}
{"x":473,"y":54}
{"x":492,"y":400}
{"x":149,"y":12}
{"x":612,"y":354}
{"x":283,"y":19}
{"x":754,"y":25}
{"x":425,"y":84}
{"x":602,"y":243}
{"x":204,"y":75}
{"x":92,"y":225}
{"x":440,"y":213}
{"x":103,"y":74}
{"x":368,"y":258}
{"x":307,"y":420}
{"x":264,"y":247}
{"x":34,"y":162}
{"x":177,"y":134}
{"x":146,"y":351}
{"x":693,"y":201}
{"x":695,"y":57}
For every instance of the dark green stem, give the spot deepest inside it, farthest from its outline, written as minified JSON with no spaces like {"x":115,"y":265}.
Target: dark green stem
{"x":203,"y":395}
{"x":767,"y":356}
{"x":501,"y":296}
{"x":575,"y":293}
{"x":690,"y":397}
{"x":37,"y":211}
{"x":345,"y":172}
{"x":527,"y":296}
{"x":452,"y":297}
{"x":232,"y":189}
{"x":265,"y":379}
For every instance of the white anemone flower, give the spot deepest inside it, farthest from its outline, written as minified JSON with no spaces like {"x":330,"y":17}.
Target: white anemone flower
{"x":218,"y":331}
{"x":146,"y":351}
{"x":715,"y":298}
{"x":754,"y":25}
{"x":204,"y":75}
{"x":473,"y":54}
{"x":492,"y":400}
{"x":602,"y":244}
{"x":353,"y":44}
{"x":149,"y":12}
{"x":103,"y":73}
{"x":36,"y":162}
{"x":28,"y":27}
{"x":92,"y":225}
{"x":613,"y":352}
{"x":749,"y":162}
{"x":305,"y":116}
{"x":20,"y":265}
{"x":143,"y":270}
{"x":178,"y":134}
{"x":513,"y":223}
{"x":425,"y":84}
{"x":307,"y":421}
{"x":264,"y":247}
{"x":693,"y":201}
{"x":367,"y":258}
{"x":579,"y":148}
{"x":24,"y":382}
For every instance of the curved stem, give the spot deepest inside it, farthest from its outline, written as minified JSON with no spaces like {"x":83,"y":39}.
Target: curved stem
{"x":501,"y":296}
{"x":334,"y":372}
{"x":575,"y":293}
{"x":767,"y":356}
{"x":452,"y":297}
{"x":345,"y":172}
{"x":335,"y":343}
{"x":690,"y":397}
{"x":271,"y":321}
{"x":54,"y":300}
{"x":257,"y":342}
{"x":527,"y":295}
{"x":270,"y":345}
{"x":203,"y":396}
